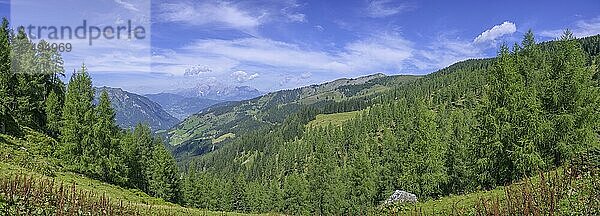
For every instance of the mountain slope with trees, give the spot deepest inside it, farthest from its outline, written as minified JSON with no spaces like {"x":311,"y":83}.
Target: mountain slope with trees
{"x":50,"y":128}
{"x":194,"y":135}
{"x":475,"y":125}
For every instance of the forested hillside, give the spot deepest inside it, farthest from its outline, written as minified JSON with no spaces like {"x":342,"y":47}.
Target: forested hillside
{"x":475,"y":125}
{"x":195,"y":135}
{"x":49,"y":128}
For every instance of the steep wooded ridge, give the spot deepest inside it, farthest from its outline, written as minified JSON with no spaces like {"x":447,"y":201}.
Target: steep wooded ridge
{"x":132,"y":109}
{"x":475,"y":125}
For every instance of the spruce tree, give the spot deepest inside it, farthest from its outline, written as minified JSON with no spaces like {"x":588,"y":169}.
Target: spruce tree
{"x":163,"y":179}
{"x":295,"y":194}
{"x":361,"y":179}
{"x":76,"y":130}
{"x":53,"y":115}
{"x":139,"y":148}
{"x":29,"y":89}
{"x":7,"y":82}
{"x":597,"y":74}
{"x":109,"y":162}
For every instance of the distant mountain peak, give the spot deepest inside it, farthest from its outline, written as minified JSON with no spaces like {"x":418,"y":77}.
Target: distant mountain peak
{"x":219,"y":91}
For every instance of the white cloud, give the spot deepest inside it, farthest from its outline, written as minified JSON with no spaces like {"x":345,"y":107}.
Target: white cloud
{"x":384,"y":8}
{"x":587,"y":27}
{"x":496,"y":32}
{"x":261,"y":51}
{"x":443,"y":52}
{"x":296,"y":17}
{"x":127,"y":5}
{"x":177,"y":62}
{"x":305,"y":75}
{"x":209,"y":12}
{"x":290,"y":12}
{"x":582,"y":28}
{"x":231,"y":60}
{"x":197,"y":70}
{"x":242,"y":76}
{"x":377,"y":52}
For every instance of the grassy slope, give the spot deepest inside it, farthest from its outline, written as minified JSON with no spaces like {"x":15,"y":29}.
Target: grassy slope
{"x":132,"y":197}
{"x":453,"y":204}
{"x":556,"y":192}
{"x":30,"y":156}
{"x":223,"y":138}
{"x":336,"y":119}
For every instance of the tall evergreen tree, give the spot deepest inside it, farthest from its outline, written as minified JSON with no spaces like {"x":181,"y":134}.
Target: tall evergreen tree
{"x":7,"y":82}
{"x":51,"y":68}
{"x":109,"y":163}
{"x":361,"y":180}
{"x":597,"y":74}
{"x":570,"y":99}
{"x":424,"y":175}
{"x":53,"y":114}
{"x":76,"y":130}
{"x":163,"y":177}
{"x":139,"y":147}
{"x":295,"y":194}
{"x":29,"y":89}
{"x":457,"y":157}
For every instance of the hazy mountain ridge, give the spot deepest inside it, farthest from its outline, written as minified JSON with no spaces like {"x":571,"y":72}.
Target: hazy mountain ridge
{"x":131,"y":109}
{"x":180,"y":106}
{"x":219,"y":92}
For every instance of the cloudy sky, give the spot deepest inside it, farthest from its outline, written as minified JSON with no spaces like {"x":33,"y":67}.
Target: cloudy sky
{"x":279,"y":44}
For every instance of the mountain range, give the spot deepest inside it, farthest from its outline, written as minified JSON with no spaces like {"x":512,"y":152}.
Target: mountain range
{"x":219,"y":92}
{"x":131,"y":109}
{"x":163,"y":110}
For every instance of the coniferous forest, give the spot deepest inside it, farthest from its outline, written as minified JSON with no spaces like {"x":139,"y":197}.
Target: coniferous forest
{"x":474,"y":126}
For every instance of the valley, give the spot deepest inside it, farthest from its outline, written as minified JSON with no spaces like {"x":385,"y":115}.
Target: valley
{"x":301,"y":107}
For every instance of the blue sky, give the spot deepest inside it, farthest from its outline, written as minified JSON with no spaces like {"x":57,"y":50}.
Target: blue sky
{"x":279,"y":44}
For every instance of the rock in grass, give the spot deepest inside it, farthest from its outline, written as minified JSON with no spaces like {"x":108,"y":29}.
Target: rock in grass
{"x":400,"y":196}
